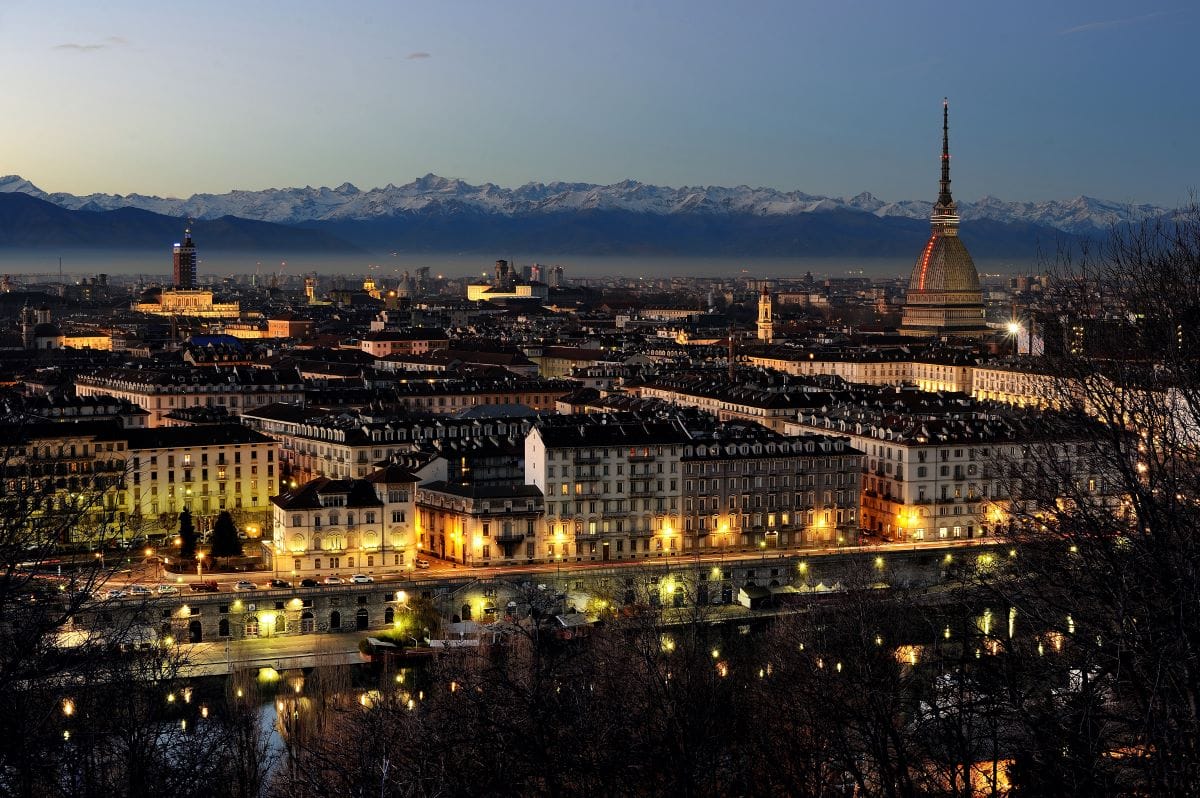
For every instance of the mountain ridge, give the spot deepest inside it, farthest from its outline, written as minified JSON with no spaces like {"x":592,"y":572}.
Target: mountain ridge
{"x":432,"y":194}
{"x":27,"y":221}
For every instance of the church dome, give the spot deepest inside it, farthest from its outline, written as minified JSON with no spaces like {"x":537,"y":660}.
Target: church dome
{"x":944,"y":265}
{"x":47,"y":330}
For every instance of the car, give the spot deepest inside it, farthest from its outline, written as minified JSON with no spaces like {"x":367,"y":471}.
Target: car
{"x":167,"y":590}
{"x":334,"y":580}
{"x":139,"y":590}
{"x":422,"y":563}
{"x":115,"y":593}
{"x":309,"y":583}
{"x":361,"y":579}
{"x":204,"y":587}
{"x":283,"y":583}
{"x":244,"y":584}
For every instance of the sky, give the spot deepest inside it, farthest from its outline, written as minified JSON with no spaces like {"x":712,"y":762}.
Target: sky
{"x":1049,"y":100}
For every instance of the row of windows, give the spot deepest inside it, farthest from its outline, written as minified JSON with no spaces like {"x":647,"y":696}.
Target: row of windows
{"x":186,"y":460}
{"x":368,"y":517}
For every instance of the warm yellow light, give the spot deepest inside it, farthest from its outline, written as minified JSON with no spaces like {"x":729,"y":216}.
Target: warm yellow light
{"x":401,"y":596}
{"x":68,"y":707}
{"x":716,"y":653}
{"x":879,"y":562}
{"x":803,"y":566}
{"x":1013,"y":327}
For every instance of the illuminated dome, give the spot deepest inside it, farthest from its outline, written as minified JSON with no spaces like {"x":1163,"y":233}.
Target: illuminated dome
{"x":944,"y":295}
{"x":944,"y":265}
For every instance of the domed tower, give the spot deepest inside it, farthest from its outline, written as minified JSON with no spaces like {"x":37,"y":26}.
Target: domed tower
{"x":944,"y":296}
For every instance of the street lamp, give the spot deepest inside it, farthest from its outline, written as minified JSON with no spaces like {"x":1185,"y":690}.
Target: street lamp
{"x":1014,"y":329}
{"x":200,"y":563}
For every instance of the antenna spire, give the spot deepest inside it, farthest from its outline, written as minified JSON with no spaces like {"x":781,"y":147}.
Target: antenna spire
{"x":945,"y":210}
{"x":944,"y":197}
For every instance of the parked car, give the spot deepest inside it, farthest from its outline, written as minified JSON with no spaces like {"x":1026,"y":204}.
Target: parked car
{"x":280,"y":583}
{"x":362,"y":579}
{"x":422,"y":563}
{"x":115,"y":594}
{"x":309,"y":583}
{"x":204,"y":587}
{"x":244,"y":584}
{"x":334,"y":580}
{"x":167,"y":590}
{"x":139,"y":590}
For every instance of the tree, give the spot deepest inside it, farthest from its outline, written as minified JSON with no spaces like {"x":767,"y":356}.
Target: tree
{"x":187,"y":535}
{"x":1116,"y":587}
{"x":225,"y":541}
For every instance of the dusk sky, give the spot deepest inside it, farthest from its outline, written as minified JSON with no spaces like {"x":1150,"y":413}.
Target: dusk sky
{"x":1048,"y":100}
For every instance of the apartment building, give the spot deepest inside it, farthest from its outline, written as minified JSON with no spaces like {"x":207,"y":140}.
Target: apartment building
{"x":613,"y":485}
{"x":746,"y":487}
{"x":64,"y":483}
{"x":161,"y":390}
{"x":480,"y":524}
{"x":937,"y":469}
{"x":206,"y":469}
{"x":344,"y":526}
{"x":345,"y":445}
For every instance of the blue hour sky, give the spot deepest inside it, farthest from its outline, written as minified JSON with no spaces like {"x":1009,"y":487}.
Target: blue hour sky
{"x":1048,"y":99}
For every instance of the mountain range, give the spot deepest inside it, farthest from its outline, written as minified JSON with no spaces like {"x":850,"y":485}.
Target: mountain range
{"x":29,"y":222}
{"x":437,"y":214}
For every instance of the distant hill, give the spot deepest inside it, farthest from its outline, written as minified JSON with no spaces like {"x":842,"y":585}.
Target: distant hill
{"x":438,"y":215}
{"x":29,"y":222}
{"x":837,"y":233}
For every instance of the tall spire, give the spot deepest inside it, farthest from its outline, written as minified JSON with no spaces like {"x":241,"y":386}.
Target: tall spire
{"x":945,"y":206}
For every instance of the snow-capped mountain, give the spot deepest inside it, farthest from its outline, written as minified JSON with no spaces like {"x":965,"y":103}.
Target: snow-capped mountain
{"x":431,"y":194}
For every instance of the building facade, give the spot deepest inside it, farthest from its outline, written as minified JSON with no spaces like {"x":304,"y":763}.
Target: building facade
{"x":344,"y":526}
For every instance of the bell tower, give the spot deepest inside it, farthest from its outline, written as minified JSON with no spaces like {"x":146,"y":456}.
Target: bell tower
{"x":766,"y":316}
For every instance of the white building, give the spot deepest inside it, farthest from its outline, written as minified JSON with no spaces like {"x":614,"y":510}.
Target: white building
{"x":344,"y":526}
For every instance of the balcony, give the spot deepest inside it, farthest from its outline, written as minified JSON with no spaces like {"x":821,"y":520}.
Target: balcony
{"x":510,"y":537}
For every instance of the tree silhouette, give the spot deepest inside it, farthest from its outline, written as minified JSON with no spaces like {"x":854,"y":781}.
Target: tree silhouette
{"x":225,"y":542}
{"x":187,"y":535}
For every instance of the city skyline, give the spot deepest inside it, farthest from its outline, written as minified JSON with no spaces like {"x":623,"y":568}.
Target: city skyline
{"x":824,"y":100}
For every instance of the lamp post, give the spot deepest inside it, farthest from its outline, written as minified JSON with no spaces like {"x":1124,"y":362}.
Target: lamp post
{"x":200,"y":563}
{"x":1013,"y":328}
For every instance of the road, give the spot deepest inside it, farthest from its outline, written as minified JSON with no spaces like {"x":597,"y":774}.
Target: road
{"x":150,"y":573}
